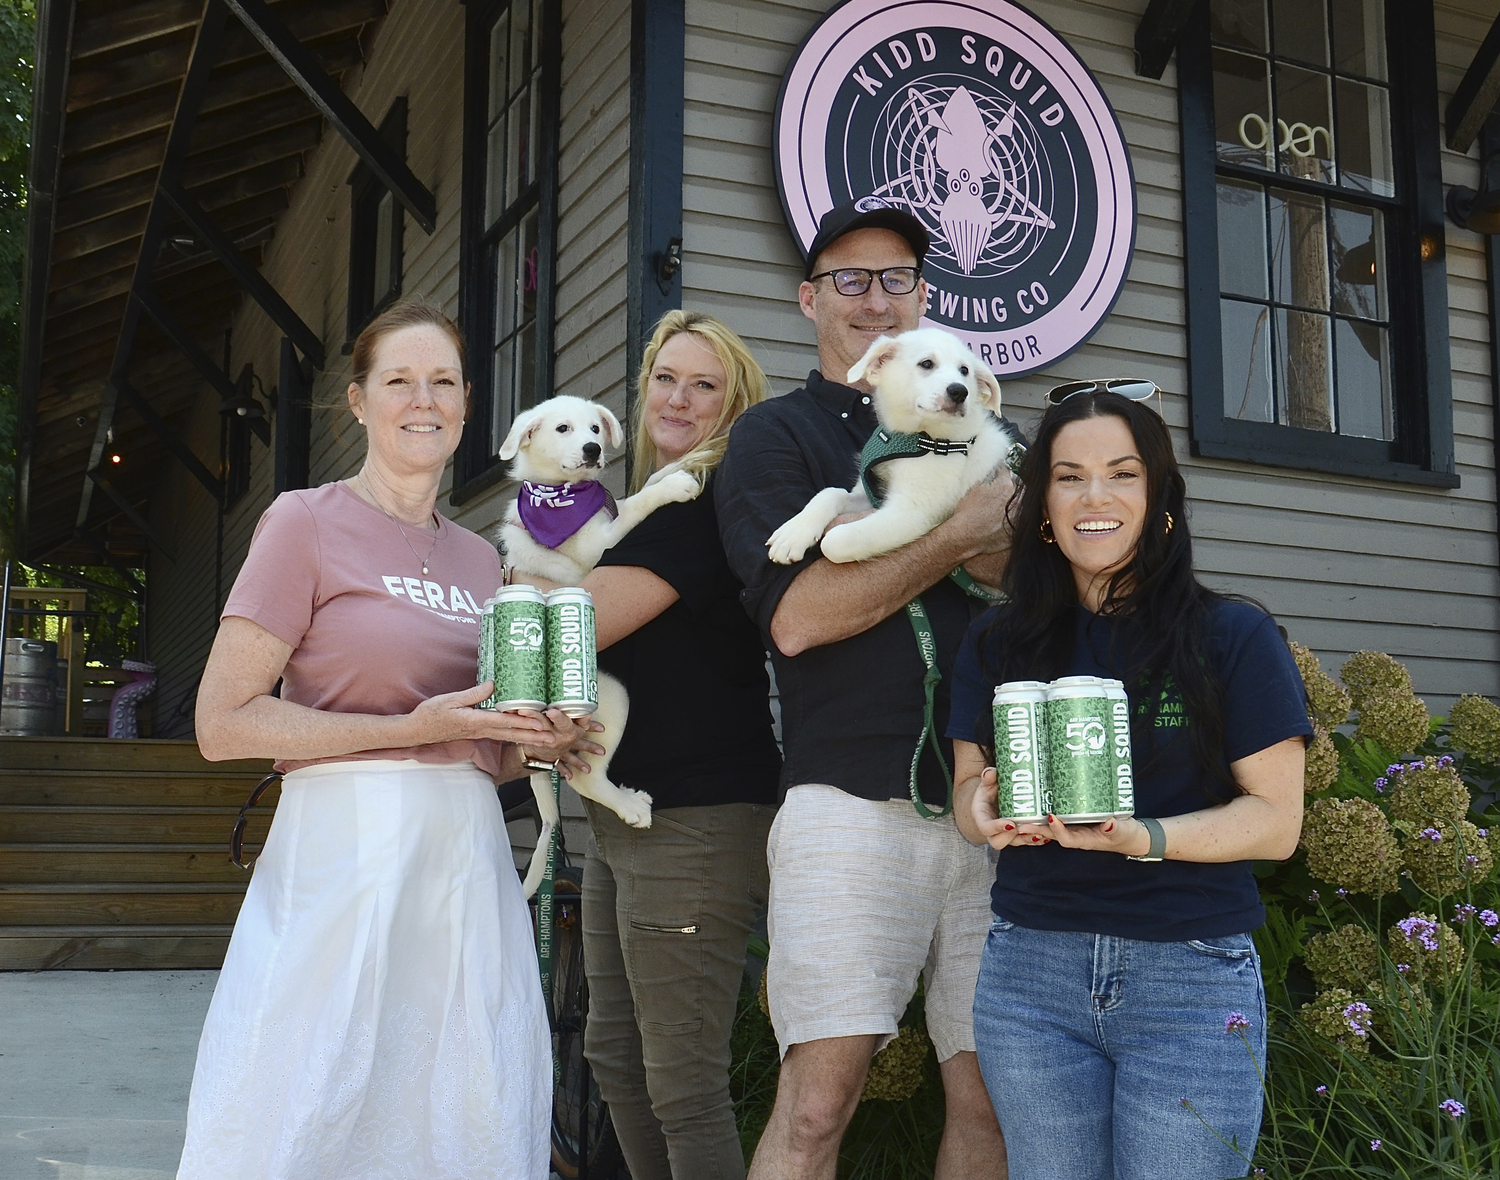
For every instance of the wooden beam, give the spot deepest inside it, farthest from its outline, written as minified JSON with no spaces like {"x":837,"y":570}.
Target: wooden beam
{"x":1476,"y":95}
{"x":179,"y":449}
{"x":337,"y":108}
{"x":1158,"y":33}
{"x":135,"y":518}
{"x":118,"y":25}
{"x":255,"y":284}
{"x":185,"y":342}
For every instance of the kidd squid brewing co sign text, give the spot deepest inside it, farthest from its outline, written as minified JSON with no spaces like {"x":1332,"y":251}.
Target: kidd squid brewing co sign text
{"x":980,"y":120}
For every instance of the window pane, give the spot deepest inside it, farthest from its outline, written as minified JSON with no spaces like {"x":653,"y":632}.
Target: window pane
{"x":1365,"y":138}
{"x":1299,"y":250}
{"x":1359,"y":37}
{"x":529,"y":266}
{"x":1246,"y":331}
{"x":1242,"y":109}
{"x":506,"y":286}
{"x":1304,"y":384}
{"x":526,"y":368}
{"x":494,"y":201}
{"x":1300,"y":30}
{"x":499,"y":38}
{"x":1358,"y":240}
{"x":1241,"y":23}
{"x":1364,"y":386}
{"x":520,"y":44}
{"x":503,"y":412}
{"x":516,"y":174}
{"x":385,"y":278}
{"x":1304,"y":120}
{"x":1242,"y":239}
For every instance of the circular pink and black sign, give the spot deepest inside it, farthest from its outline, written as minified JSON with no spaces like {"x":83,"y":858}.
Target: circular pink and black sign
{"x":982,"y":122}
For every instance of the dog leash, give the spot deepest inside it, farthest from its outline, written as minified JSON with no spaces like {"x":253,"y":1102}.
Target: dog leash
{"x":881,"y":447}
{"x":544,"y":893}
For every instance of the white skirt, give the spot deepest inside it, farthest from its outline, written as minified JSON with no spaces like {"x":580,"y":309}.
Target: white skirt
{"x":379,"y":1015}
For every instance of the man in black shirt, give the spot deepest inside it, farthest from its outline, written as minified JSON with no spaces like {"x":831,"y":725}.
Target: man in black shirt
{"x":865,"y":893}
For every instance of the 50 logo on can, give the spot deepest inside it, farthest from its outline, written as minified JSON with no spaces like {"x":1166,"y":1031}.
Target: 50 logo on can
{"x":527,"y":633}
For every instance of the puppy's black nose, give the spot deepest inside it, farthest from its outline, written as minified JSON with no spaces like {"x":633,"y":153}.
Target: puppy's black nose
{"x":958,"y":391}
{"x":591,"y":452}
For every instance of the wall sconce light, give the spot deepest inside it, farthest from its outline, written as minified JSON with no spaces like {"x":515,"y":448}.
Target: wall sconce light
{"x":1480,"y":211}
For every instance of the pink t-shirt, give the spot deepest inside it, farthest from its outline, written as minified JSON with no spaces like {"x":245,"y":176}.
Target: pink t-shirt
{"x":330,"y":575}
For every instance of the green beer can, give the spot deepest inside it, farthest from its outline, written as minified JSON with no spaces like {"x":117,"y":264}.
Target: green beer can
{"x":1020,"y":737}
{"x":513,"y":649}
{"x":572,"y":654}
{"x":1080,"y":763}
{"x":1119,"y":747}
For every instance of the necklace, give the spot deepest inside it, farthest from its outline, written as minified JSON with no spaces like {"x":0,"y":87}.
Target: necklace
{"x":401,"y":529}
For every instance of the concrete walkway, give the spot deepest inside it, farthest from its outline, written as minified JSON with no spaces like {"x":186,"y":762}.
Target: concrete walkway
{"x":94,"y":1071}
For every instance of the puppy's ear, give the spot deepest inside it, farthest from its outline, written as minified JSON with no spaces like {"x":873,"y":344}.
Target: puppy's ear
{"x":520,"y":433}
{"x":989,"y":388}
{"x":613,"y":431}
{"x":876,"y":356}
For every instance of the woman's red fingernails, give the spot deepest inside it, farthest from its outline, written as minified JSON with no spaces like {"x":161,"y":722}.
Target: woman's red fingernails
{"x":1010,"y":827}
{"x":1109,"y":827}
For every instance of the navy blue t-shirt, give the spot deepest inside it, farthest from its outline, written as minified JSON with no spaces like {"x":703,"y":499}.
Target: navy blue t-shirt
{"x":1049,"y":887}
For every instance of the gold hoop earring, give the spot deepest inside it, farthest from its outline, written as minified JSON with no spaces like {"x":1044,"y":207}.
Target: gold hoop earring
{"x":1042,"y":531}
{"x":1170,"y":523}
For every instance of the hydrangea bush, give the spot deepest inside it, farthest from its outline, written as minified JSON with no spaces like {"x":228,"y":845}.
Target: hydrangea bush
{"x":1381,"y":948}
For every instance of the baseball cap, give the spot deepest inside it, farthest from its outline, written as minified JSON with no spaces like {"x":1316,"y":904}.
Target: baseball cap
{"x":866,"y":213}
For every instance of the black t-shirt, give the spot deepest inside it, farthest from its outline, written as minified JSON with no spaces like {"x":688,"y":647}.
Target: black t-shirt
{"x":1054,"y":888}
{"x":700,"y":720}
{"x":851,"y":712}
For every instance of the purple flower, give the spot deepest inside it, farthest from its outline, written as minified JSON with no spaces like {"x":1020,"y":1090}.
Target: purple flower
{"x":1424,"y":930}
{"x":1417,"y":765}
{"x":1484,"y":833}
{"x":1342,"y":892}
{"x":1379,"y":790}
{"x":1462,"y":913}
{"x":1358,"y":1016}
{"x":1394,"y":768}
{"x":1489,"y":917}
{"x":1374,"y":1144}
{"x":1471,"y":860}
{"x":1446,"y":760}
{"x":1184,"y":1102}
{"x":1313,"y":896}
{"x":1236,"y":1021}
{"x":1403,"y":967}
{"x":1496,"y":940}
{"x":1382,"y":783}
{"x":1321,"y":1090}
{"x":1430,"y":834}
{"x":1452,"y":1107}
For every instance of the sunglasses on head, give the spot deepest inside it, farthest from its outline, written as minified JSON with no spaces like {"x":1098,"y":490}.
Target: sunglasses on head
{"x":1132,"y":388}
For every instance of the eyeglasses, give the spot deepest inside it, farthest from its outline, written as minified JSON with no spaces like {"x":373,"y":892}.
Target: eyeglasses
{"x":1132,"y":388}
{"x":896,"y":280}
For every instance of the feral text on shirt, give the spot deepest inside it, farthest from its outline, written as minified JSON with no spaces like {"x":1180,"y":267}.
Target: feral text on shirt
{"x":430,"y":595}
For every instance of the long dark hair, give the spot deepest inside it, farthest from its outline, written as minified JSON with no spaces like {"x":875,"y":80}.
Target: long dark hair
{"x":1162,"y":606}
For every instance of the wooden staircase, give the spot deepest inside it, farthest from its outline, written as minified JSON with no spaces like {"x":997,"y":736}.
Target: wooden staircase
{"x":115,"y":854}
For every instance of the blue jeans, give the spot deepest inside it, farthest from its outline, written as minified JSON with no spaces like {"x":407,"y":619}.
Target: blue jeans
{"x":1089,"y":1044}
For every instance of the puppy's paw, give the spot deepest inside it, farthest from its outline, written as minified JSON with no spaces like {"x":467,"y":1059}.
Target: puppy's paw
{"x":678,"y":487}
{"x":791,"y":541}
{"x":634,"y":807}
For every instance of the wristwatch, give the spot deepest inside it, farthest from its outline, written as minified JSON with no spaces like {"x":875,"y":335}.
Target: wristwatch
{"x":1158,"y":849}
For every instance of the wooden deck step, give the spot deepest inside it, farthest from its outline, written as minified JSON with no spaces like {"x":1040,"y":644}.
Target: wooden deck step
{"x":123,"y":864}
{"x":110,"y":948}
{"x":115,"y":854}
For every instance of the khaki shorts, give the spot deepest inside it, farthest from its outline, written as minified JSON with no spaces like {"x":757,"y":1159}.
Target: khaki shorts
{"x":864,"y":896}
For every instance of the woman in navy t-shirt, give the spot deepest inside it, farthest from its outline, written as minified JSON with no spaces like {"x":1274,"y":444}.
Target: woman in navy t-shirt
{"x":1119,"y":967}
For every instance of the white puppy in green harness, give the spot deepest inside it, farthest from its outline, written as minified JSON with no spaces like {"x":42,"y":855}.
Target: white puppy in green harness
{"x":939,"y":435}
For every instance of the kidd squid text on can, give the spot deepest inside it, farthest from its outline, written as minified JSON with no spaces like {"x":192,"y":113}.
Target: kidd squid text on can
{"x":572,"y":653}
{"x":1020,"y":743}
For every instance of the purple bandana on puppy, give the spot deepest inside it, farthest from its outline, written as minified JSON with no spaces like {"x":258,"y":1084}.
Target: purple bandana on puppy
{"x":552,"y":513}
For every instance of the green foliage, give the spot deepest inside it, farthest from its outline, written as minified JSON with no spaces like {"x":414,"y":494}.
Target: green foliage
{"x":17,"y":33}
{"x":111,"y":635}
{"x":1425,"y":941}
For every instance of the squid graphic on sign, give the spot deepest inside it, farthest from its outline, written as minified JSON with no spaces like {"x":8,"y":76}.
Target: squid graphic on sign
{"x":954,"y":156}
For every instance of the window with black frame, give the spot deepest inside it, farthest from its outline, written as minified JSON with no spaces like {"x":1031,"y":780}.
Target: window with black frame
{"x":509,"y":217}
{"x":1321,"y":319}
{"x":376,"y":226}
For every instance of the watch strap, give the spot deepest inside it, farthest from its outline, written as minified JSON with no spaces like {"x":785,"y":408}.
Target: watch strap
{"x":1158,"y":849}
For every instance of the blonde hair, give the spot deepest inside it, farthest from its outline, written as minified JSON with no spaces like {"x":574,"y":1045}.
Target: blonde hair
{"x":745,"y":385}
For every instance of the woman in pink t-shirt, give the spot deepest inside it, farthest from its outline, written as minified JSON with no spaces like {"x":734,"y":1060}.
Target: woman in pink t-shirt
{"x":379,"y":1011}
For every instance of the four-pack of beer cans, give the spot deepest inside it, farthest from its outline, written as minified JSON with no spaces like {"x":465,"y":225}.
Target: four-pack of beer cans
{"x":1063,"y":749}
{"x":540,"y":650}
